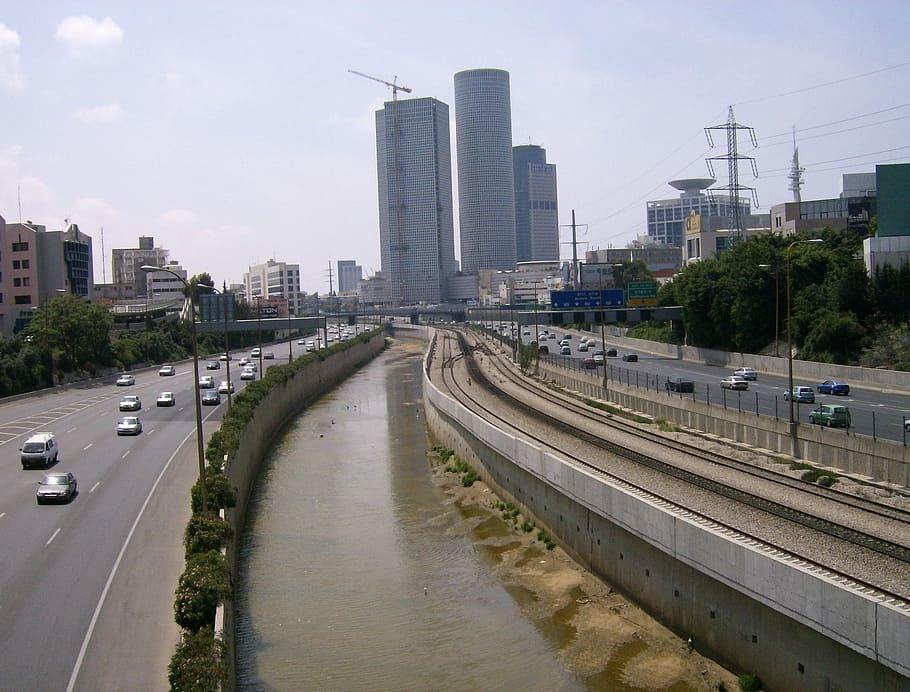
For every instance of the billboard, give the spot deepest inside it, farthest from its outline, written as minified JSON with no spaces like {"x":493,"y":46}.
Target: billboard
{"x":568,"y":300}
{"x":642,"y":294}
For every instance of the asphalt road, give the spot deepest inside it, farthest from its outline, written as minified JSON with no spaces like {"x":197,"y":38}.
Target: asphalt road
{"x":872,"y":411}
{"x":76,"y":579}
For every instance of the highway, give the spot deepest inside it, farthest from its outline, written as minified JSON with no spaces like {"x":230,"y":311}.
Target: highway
{"x":868,"y":407}
{"x":81,"y":585}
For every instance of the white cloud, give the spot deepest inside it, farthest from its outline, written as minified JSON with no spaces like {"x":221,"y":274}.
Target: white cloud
{"x":11,"y":77}
{"x":82,"y":35}
{"x":99,"y":114}
{"x":178,"y":217}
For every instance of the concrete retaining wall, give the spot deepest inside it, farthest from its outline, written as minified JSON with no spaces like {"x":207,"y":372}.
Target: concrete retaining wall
{"x":882,"y":460}
{"x":871,"y":378}
{"x":798,"y":628}
{"x":280,"y":405}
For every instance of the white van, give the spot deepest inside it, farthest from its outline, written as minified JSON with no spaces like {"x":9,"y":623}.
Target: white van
{"x":40,"y":449}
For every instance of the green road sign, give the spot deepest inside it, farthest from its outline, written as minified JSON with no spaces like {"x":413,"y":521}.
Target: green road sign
{"x":641,"y":294}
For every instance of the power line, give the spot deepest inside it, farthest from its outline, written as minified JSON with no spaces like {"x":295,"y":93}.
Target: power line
{"x":838,"y":122}
{"x":846,"y":165}
{"x":823,"y":84}
{"x":846,"y":158}
{"x":837,"y":132}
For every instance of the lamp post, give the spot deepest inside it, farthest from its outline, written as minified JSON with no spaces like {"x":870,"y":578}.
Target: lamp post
{"x":259,"y":328}
{"x":200,"y":452}
{"x":290,"y":351}
{"x":227,"y":345}
{"x":794,"y":442}
{"x":776,"y":308}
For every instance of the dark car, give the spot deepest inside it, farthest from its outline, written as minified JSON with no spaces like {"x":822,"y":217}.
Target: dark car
{"x":213,"y":365}
{"x":590,"y":363}
{"x":630,"y":357}
{"x":611,"y":353}
{"x":833,"y":387}
{"x":56,"y":487}
{"x":544,"y":349}
{"x":680,"y":384}
{"x":211,"y":398}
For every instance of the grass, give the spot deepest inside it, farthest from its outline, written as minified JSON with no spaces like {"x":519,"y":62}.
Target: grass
{"x":813,"y":475}
{"x":749,"y":682}
{"x":612,"y":409}
{"x":666,"y":426}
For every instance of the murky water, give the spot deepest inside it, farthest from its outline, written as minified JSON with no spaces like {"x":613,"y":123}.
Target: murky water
{"x":345,"y":531}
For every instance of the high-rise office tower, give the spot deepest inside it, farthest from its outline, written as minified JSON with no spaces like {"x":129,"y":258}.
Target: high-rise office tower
{"x":486,"y":195}
{"x":536,"y":218}
{"x":349,"y":275}
{"x":416,"y":227}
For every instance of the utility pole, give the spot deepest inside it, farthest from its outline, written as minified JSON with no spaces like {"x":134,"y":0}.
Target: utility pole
{"x":331,"y":285}
{"x":733,"y":157}
{"x":575,"y":278}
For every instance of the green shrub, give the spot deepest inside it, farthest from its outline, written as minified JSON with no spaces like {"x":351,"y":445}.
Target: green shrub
{"x":198,"y":664}
{"x":221,"y":494}
{"x":749,"y":682}
{"x":527,"y":526}
{"x":811,"y":475}
{"x":203,"y":585}
{"x":799,"y":466}
{"x":468,"y":479}
{"x":827,"y":480}
{"x":206,"y":532}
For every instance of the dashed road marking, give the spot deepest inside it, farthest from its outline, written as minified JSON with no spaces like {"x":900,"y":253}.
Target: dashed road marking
{"x":2,"y":514}
{"x":93,"y":487}
{"x":151,"y":431}
{"x":180,"y":409}
{"x":90,"y":444}
{"x":71,"y":430}
{"x":125,"y":454}
{"x":53,"y":536}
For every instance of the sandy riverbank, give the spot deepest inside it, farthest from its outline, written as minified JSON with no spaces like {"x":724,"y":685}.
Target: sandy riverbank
{"x":602,"y":637}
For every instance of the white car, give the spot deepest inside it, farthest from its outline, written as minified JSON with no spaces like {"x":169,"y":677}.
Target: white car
{"x":166,"y":399}
{"x":206,"y":382}
{"x":268,"y":355}
{"x":255,"y":352}
{"x":126,"y":380}
{"x":223,"y":387}
{"x":129,"y":425}
{"x":248,"y":374}
{"x":167,"y":370}
{"x":310,"y":346}
{"x":746,"y":373}
{"x":300,"y":342}
{"x":130,"y":402}
{"x":243,"y":362}
{"x":734,"y":382}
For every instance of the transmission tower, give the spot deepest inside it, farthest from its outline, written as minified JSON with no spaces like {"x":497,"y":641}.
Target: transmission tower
{"x":733,"y":157}
{"x":331,"y":276}
{"x":796,"y":172}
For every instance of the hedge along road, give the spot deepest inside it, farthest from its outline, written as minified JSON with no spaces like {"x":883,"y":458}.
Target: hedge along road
{"x":51,"y":589}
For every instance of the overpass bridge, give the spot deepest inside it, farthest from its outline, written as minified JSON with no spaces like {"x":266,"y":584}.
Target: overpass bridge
{"x":522,"y":315}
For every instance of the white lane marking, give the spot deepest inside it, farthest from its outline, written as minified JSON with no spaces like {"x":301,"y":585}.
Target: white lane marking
{"x":151,"y":431}
{"x":90,"y":444}
{"x":93,"y":487}
{"x":53,"y":536}
{"x":180,"y":409}
{"x":125,"y":454}
{"x":110,"y":577}
{"x":71,"y":430}
{"x":2,"y":514}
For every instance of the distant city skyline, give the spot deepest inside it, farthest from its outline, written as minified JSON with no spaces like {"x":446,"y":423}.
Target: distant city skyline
{"x":170,"y":120}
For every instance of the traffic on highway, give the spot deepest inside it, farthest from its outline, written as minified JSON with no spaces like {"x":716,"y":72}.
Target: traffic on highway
{"x":78,"y":467}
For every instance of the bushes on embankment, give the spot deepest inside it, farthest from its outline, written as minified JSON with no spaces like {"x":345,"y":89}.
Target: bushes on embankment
{"x":198,"y":664}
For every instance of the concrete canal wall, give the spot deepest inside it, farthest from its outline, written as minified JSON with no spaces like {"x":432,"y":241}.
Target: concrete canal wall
{"x":796,"y":626}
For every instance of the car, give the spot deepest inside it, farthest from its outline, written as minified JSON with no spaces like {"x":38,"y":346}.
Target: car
{"x":907,"y":425}
{"x":679,"y":384}
{"x":224,"y":356}
{"x":268,"y":355}
{"x":611,"y":353}
{"x":543,"y":349}
{"x":223,"y":387}
{"x":565,"y":351}
{"x":746,"y":373}
{"x":564,"y":342}
{"x":211,"y":398}
{"x":301,"y":342}
{"x":831,"y":415}
{"x":734,"y":382}
{"x":206,"y":382}
{"x":130,"y":402}
{"x":630,"y":357}
{"x":126,"y":380}
{"x":167,"y":370}
{"x":56,"y":487}
{"x":213,"y":365}
{"x":590,"y":363}
{"x":251,"y":366}
{"x":129,"y":425}
{"x":244,"y":362}
{"x":802,"y":395}
{"x":248,"y":374}
{"x":255,"y":352}
{"x":310,"y":345}
{"x":166,"y":399}
{"x":41,"y":449}
{"x":583,"y":347}
{"x":599,"y":357}
{"x":568,"y":336}
{"x":833,"y":387}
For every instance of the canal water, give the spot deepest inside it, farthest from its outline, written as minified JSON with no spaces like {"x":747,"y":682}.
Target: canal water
{"x":346,"y":529}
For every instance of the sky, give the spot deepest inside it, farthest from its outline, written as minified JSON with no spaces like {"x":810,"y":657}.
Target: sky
{"x":233,"y":133}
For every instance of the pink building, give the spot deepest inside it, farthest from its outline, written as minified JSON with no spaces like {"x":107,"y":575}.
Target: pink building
{"x":18,"y":274}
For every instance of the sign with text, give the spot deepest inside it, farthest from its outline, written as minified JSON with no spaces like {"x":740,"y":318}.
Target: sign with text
{"x":567,"y":300}
{"x":642,"y":294}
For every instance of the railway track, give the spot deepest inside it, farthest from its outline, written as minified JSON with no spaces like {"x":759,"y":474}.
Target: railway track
{"x":848,"y":534}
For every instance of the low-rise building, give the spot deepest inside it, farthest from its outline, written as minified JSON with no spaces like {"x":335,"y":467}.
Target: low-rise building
{"x":707,"y":237}
{"x":164,"y":285}
{"x":126,"y":265}
{"x":375,"y":290}
{"x":891,"y":245}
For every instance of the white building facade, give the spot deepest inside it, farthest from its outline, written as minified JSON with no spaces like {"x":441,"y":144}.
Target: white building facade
{"x":274,"y":280}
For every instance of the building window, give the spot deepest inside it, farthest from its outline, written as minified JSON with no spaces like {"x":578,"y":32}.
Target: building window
{"x":17,"y":264}
{"x":23,"y":300}
{"x":27,"y":281}
{"x":20,"y":247}
{"x":25,"y":264}
{"x":17,"y":282}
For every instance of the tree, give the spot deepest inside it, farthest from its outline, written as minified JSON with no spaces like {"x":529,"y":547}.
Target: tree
{"x":627,"y":272}
{"x":199,"y":284}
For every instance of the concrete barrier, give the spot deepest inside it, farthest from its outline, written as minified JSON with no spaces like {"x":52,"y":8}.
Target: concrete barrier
{"x":797,"y":626}
{"x":282,"y":403}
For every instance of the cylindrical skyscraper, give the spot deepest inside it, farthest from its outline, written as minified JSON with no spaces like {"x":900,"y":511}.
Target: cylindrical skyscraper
{"x":486,"y":194}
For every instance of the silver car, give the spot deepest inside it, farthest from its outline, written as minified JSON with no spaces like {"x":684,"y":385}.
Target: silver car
{"x":130,"y":402}
{"x":129,"y":425}
{"x":56,"y":487}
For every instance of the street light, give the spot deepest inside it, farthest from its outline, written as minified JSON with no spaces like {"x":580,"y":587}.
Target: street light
{"x":199,"y":450}
{"x":227,"y":345}
{"x":776,"y":308}
{"x":794,"y":442}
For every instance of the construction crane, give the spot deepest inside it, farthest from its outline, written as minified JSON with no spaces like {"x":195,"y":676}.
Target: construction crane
{"x":399,"y":246}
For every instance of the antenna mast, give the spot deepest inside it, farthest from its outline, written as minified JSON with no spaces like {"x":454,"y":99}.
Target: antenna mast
{"x":733,"y":157}
{"x":796,"y":172}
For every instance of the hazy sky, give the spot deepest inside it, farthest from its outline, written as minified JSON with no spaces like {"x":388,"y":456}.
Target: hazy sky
{"x":232,"y":132}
